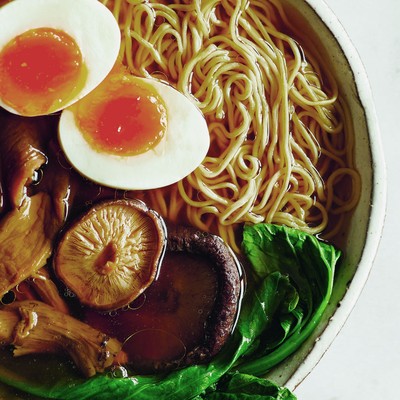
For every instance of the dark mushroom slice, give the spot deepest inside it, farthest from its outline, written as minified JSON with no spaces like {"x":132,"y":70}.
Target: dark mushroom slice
{"x":188,"y":313}
{"x":229,"y":276}
{"x":110,"y":255}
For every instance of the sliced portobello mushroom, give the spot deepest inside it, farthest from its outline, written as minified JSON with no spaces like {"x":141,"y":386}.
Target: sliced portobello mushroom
{"x":189,"y":311}
{"x":110,"y":255}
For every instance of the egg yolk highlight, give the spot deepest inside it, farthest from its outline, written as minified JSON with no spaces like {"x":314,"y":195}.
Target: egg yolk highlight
{"x":41,"y":70}
{"x":123,"y":116}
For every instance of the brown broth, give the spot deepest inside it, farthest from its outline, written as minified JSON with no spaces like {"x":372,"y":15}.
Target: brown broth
{"x":170,"y":319}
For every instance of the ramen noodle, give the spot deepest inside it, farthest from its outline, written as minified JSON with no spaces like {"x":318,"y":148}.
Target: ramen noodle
{"x":281,"y":139}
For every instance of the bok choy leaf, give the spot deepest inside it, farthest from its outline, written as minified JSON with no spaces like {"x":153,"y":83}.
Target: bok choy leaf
{"x":309,"y":264}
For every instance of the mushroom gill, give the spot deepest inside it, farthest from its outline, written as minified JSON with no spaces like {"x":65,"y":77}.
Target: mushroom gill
{"x":110,"y":255}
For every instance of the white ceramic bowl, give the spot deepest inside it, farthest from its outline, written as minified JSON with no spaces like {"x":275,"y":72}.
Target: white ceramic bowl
{"x":367,"y":221}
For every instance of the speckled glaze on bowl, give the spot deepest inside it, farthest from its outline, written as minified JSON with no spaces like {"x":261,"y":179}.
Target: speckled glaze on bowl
{"x":366,"y":223}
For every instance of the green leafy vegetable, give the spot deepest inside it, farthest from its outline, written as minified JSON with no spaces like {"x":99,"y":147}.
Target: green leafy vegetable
{"x":310,"y":266}
{"x":237,"y":386}
{"x":289,"y":286}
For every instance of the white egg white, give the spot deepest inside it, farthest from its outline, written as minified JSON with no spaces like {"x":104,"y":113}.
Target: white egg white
{"x":88,"y":22}
{"x":181,"y":150}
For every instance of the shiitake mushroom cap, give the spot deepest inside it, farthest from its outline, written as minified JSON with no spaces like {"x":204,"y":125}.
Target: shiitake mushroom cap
{"x":111,"y":254}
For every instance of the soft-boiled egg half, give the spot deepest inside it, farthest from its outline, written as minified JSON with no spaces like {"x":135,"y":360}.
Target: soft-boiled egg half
{"x":53,"y":53}
{"x":134,"y":133}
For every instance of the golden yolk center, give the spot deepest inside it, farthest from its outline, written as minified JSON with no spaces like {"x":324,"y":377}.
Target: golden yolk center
{"x":41,"y":70}
{"x":123,"y":116}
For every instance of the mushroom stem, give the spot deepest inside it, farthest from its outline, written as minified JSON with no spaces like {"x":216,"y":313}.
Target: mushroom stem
{"x":105,"y":262}
{"x":47,"y":290}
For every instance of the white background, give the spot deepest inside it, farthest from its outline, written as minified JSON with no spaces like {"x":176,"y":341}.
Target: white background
{"x":363,"y":363}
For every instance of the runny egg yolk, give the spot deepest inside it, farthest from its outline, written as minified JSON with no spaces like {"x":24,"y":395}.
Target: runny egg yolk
{"x":123,"y":116}
{"x":40,"y":70}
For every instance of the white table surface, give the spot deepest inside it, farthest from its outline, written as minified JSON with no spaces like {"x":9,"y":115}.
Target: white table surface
{"x":363,"y":363}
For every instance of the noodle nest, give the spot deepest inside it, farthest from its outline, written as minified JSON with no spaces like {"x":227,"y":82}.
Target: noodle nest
{"x":281,"y":136}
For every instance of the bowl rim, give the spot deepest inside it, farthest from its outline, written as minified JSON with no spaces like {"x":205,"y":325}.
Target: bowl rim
{"x":378,"y":197}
